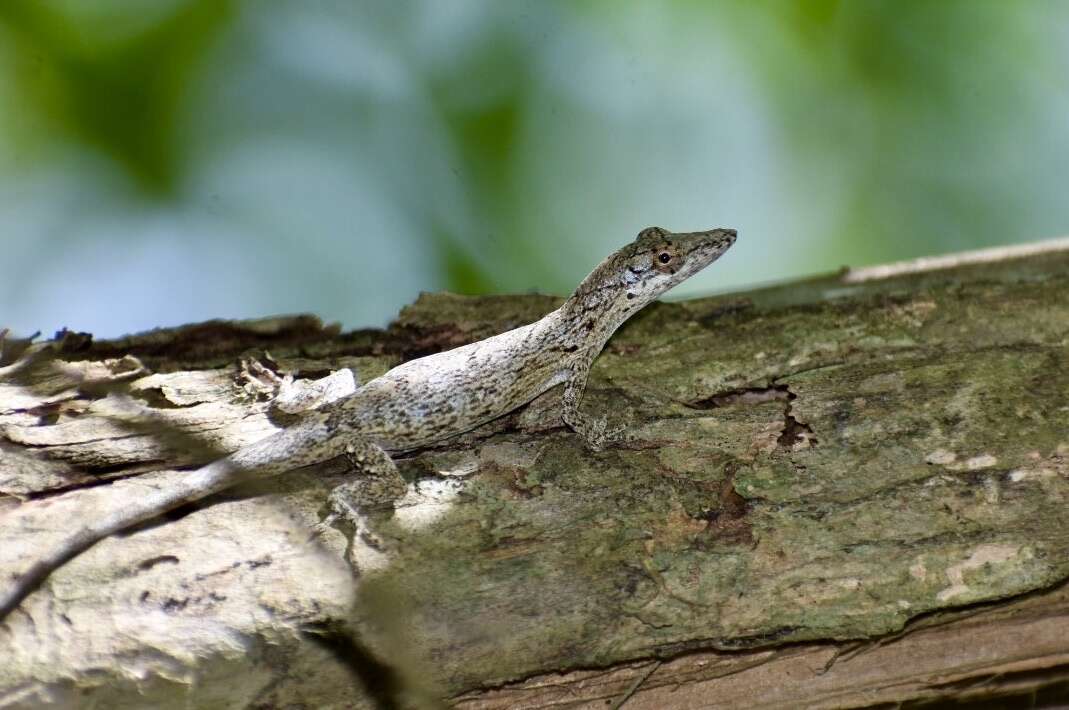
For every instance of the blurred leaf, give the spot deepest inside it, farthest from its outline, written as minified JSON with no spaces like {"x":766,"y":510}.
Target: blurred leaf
{"x":898,"y":107}
{"x":487,"y":136}
{"x":482,"y":100}
{"x":122,"y":97}
{"x":462,"y":273}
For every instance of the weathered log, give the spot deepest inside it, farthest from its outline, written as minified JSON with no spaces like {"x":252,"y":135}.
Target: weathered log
{"x":838,"y":492}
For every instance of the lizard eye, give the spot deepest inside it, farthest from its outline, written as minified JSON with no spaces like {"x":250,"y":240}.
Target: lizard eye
{"x":667,"y":260}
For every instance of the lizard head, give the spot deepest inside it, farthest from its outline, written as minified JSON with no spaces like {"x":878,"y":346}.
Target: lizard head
{"x":641,"y":271}
{"x":658,"y":259}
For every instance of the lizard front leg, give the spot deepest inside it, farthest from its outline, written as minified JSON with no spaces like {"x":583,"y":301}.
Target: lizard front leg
{"x":593,"y":430}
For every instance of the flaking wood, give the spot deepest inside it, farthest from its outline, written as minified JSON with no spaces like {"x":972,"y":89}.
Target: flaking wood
{"x":840,"y":492}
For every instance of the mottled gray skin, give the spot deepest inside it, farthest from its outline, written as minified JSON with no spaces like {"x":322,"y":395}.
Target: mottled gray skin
{"x":435,"y":397}
{"x":426,"y":400}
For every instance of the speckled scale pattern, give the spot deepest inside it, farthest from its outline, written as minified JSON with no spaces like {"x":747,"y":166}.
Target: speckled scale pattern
{"x":426,"y":400}
{"x":431,"y":398}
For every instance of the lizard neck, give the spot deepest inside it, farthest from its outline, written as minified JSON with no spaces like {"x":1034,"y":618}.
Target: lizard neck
{"x":591,"y":315}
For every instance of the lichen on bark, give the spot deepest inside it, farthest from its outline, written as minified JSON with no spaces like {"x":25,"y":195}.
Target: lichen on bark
{"x":822,"y":462}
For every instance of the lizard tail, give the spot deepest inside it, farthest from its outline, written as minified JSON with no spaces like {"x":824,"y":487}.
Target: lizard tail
{"x":282,"y":451}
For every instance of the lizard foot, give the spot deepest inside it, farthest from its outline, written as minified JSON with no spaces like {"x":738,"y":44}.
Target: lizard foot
{"x":376,"y":486}
{"x":597,"y":433}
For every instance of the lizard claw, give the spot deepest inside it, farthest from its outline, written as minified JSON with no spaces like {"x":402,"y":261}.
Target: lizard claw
{"x":323,"y":526}
{"x":598,"y":435}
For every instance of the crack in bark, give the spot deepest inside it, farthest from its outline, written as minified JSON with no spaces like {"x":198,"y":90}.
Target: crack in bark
{"x":745,"y":395}
{"x":729,"y":522}
{"x":794,"y":434}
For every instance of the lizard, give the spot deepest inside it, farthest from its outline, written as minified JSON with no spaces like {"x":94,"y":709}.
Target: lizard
{"x":429,"y":399}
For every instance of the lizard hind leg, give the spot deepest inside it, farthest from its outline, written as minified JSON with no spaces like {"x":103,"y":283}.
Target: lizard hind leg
{"x":376,"y":485}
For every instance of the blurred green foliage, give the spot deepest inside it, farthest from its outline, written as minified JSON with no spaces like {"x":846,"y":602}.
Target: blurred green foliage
{"x":920,"y":106}
{"x":118,"y":94}
{"x":335,"y":156}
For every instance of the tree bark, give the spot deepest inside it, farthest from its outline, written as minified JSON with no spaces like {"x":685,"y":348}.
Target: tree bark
{"x":840,"y":492}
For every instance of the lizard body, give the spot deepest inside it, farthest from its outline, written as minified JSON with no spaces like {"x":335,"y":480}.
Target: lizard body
{"x":432,"y":398}
{"x":425,"y":400}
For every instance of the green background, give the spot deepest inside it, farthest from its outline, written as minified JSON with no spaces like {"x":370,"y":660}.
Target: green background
{"x":177,"y":160}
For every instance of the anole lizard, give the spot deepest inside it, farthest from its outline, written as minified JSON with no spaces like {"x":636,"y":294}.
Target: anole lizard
{"x":432,"y":398}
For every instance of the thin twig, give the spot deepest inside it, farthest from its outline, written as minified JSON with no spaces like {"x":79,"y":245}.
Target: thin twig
{"x":633,"y":688}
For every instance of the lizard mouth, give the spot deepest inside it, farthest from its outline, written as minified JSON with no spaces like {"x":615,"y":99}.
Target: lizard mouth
{"x":703,"y":248}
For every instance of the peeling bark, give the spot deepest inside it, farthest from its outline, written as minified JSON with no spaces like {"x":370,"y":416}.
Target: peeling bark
{"x":839,"y":492}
